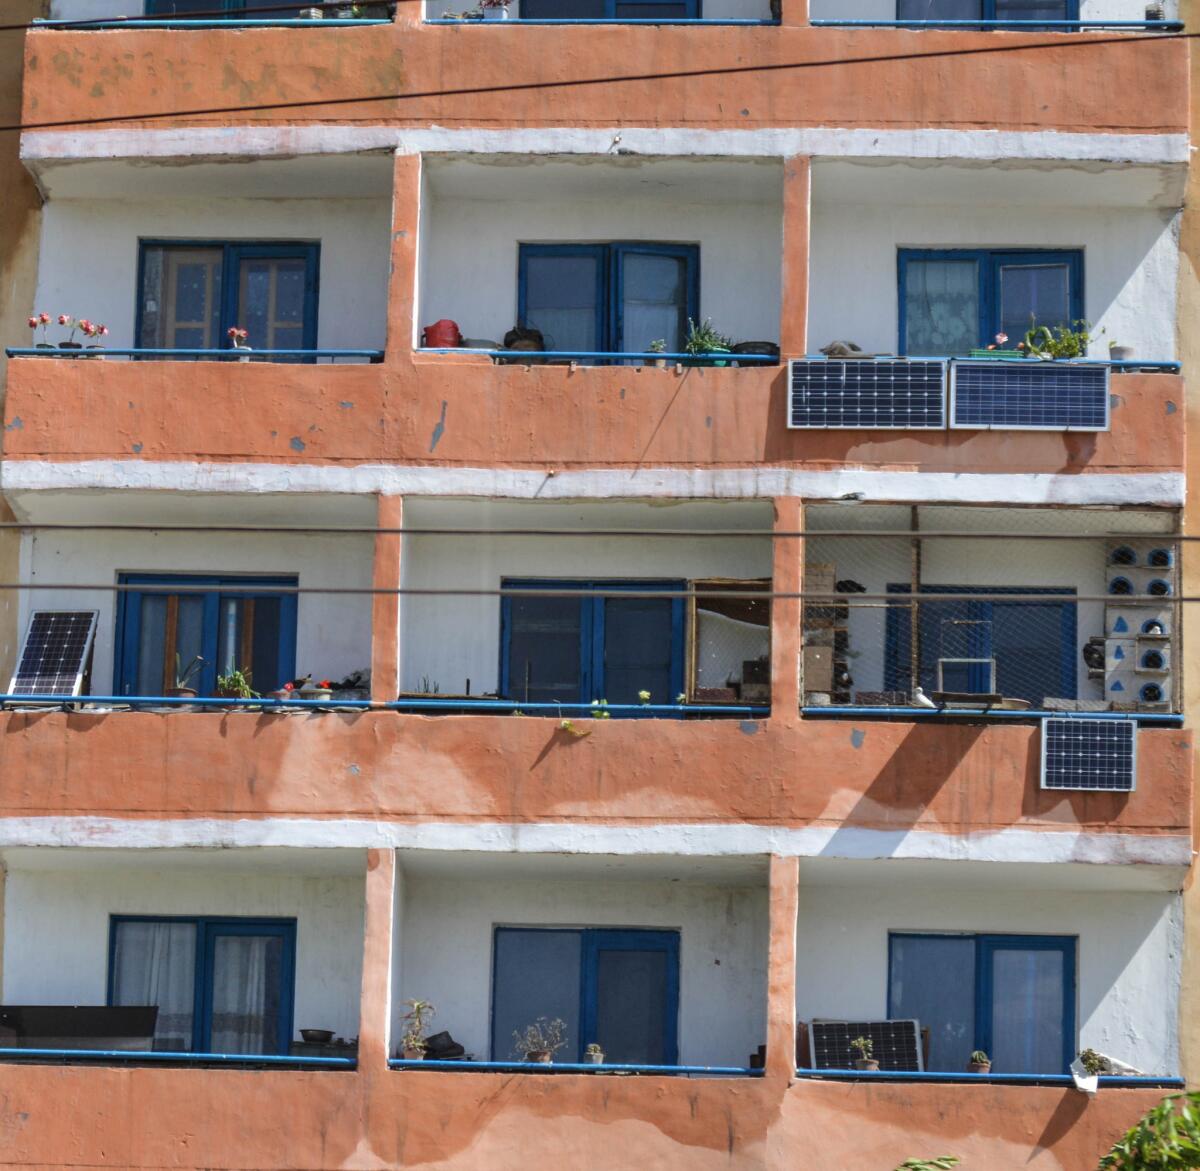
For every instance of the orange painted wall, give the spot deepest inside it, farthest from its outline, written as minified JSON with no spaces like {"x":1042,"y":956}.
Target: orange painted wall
{"x":955,"y":779}
{"x":562,"y":76}
{"x":520,"y":416}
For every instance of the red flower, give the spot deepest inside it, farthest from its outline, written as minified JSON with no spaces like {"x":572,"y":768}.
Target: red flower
{"x":33,"y":323}
{"x":44,"y":318}
{"x":288,"y":687}
{"x":63,"y":319}
{"x":325,"y":684}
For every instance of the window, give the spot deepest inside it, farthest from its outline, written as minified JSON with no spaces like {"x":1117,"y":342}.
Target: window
{"x":1022,"y":650}
{"x":611,"y":298}
{"x":221,"y":985}
{"x":610,"y":9}
{"x":190,"y":294}
{"x":1013,"y":996}
{"x":232,"y":9}
{"x":619,"y":989}
{"x":954,"y":301}
{"x":934,"y":10}
{"x":575,"y":650}
{"x":253,"y":630}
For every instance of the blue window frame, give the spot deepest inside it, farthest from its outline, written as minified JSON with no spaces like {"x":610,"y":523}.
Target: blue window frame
{"x":1013,"y":996}
{"x":1032,"y":10}
{"x":204,"y":9}
{"x":610,"y":9}
{"x":609,"y":298}
{"x":190,"y":292}
{"x":231,"y":623}
{"x":618,"y":988}
{"x":222,"y":985}
{"x":1032,"y":644}
{"x":954,"y":300}
{"x":580,"y":649}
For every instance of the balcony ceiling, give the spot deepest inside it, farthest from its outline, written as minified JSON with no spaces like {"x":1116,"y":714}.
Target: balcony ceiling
{"x":273,"y":859}
{"x":744,"y":870}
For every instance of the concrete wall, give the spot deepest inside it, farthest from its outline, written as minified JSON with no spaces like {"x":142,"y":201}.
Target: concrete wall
{"x":89,"y":258}
{"x":57,"y":929}
{"x":1128,"y":958}
{"x":1131,"y":263}
{"x":447,"y":933}
{"x":333,"y":634}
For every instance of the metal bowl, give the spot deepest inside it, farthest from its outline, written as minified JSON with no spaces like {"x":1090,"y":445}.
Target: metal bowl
{"x":317,"y":1036}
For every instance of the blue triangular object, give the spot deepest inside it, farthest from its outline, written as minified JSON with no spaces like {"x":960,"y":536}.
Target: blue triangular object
{"x":1120,"y":626}
{"x":1119,"y":653}
{"x":1117,"y":686}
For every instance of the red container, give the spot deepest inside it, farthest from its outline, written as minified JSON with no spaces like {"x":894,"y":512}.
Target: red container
{"x":442,"y":335}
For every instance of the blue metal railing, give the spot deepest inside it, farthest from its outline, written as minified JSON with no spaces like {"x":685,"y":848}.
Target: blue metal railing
{"x":516,"y":357}
{"x":1130,"y":364}
{"x":1169,"y":26}
{"x":232,"y":22}
{"x":911,"y":713}
{"x":1016,"y":1079}
{"x":163,"y":1057}
{"x":225,"y":355}
{"x":705,"y":21}
{"x":576,"y":1067}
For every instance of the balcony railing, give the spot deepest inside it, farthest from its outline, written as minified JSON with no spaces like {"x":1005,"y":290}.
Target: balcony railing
{"x":560,"y":1067}
{"x":1166,"y":26}
{"x":226,"y":355}
{"x":164,"y":1057}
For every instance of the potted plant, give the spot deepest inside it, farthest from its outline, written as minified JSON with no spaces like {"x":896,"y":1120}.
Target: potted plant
{"x":416,"y":1021}
{"x":703,"y":339}
{"x":287,"y":691}
{"x":318,"y":691}
{"x":40,"y":321}
{"x":237,"y":338}
{"x":312,"y":13}
{"x":593,"y":1055}
{"x":92,"y":330}
{"x":494,"y":9}
{"x":1060,"y":343}
{"x":658,"y":346}
{"x":235,"y":685}
{"x":183,"y":678}
{"x":72,"y":325}
{"x":538,"y":1042}
{"x":348,"y":12}
{"x":997,"y":349}
{"x":864,"y":1047}
{"x":980,"y":1062}
{"x":1118,"y":353}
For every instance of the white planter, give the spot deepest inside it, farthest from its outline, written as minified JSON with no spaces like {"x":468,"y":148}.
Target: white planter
{"x":495,"y":13}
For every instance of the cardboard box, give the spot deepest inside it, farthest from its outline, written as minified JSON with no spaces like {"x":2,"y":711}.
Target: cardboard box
{"x":818,"y":668}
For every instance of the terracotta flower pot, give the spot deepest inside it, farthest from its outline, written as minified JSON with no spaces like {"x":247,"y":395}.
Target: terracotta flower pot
{"x":182,"y":692}
{"x":539,"y":1056}
{"x":414,"y":1054}
{"x":979,"y":1067}
{"x":867,"y":1065}
{"x":593,"y":1059}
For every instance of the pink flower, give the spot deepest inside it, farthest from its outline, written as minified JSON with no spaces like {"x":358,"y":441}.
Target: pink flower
{"x":44,"y":318}
{"x":1001,"y":338}
{"x":33,"y":323}
{"x":63,"y":319}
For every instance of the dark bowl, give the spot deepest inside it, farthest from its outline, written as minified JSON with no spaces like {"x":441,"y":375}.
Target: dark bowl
{"x":317,"y":1036}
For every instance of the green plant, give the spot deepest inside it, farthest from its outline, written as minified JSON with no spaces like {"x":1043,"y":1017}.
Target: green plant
{"x":236,"y":685}
{"x":600,"y":710}
{"x":594,"y":1050}
{"x":864,"y":1047}
{"x":183,"y":676}
{"x":1060,"y":342}
{"x":978,"y":1057}
{"x":1092,"y":1062}
{"x":644,"y":697}
{"x":938,"y":1163}
{"x":1166,"y":1137}
{"x":542,"y":1036}
{"x":658,"y":346}
{"x":428,"y":686}
{"x":416,"y":1021}
{"x":704,"y":339}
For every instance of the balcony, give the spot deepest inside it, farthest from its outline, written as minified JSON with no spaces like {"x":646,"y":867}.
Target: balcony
{"x":968,"y":15}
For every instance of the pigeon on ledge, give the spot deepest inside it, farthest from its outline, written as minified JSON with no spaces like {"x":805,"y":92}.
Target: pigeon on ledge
{"x":920,"y":699}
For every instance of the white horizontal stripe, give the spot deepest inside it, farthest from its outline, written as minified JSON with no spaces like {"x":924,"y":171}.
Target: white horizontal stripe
{"x":707,"y":840}
{"x":827,"y":142}
{"x":759,"y":482}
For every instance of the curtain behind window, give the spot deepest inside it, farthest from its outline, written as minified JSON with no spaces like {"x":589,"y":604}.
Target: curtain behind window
{"x":155,"y":963}
{"x":941,"y":302}
{"x":245,"y":993}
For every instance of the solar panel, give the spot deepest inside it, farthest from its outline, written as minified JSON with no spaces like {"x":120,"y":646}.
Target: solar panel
{"x":896,"y":1044}
{"x":55,"y":654}
{"x":1029,"y":396}
{"x":858,"y":393}
{"x":1096,"y":755}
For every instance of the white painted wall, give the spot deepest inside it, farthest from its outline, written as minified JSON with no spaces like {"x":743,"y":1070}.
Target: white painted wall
{"x":1131,"y":261}
{"x":471,"y":269}
{"x":56,"y":926}
{"x":887,"y":9}
{"x":448,"y":927}
{"x":333,"y":633}
{"x":1128,"y":958}
{"x":89,"y":256}
{"x":451,"y":640}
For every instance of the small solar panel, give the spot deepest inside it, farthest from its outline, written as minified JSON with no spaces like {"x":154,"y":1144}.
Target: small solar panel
{"x":1095,"y":755}
{"x":55,"y":654}
{"x":896,"y":1044}
{"x":859,"y":393}
{"x":1026,"y":395}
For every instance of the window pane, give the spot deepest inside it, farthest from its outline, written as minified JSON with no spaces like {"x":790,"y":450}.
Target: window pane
{"x":654,"y":301}
{"x":1033,"y":293}
{"x":544,"y":650}
{"x":1032,"y":10}
{"x":155,"y":963}
{"x":941,"y":304}
{"x":247,"y":993}
{"x":933,"y":981}
{"x":562,"y":9}
{"x":266,"y":670}
{"x":939,"y":10}
{"x":560,"y":300}
{"x":638,"y":646}
{"x":1027,"y":1011}
{"x":1030,"y":656}
{"x":271,"y":297}
{"x":172,"y":636}
{"x":181,"y":298}
{"x":536,"y":975}
{"x":638,"y":11}
{"x":631,"y":1006}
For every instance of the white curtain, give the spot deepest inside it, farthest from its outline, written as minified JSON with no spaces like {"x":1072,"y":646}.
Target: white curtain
{"x":942,"y":307}
{"x":245,"y":1001}
{"x":155,"y":963}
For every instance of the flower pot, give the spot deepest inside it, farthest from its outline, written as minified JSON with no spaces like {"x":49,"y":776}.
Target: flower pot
{"x":182,"y":692}
{"x":317,"y":693}
{"x":495,"y":13}
{"x":867,"y":1065}
{"x":593,"y":1059}
{"x":45,"y":346}
{"x":282,"y":694}
{"x":91,"y":353}
{"x":312,"y":13}
{"x":413,"y":1054}
{"x":660,"y":363}
{"x":979,"y":1067}
{"x":538,"y":1056}
{"x":70,"y":345}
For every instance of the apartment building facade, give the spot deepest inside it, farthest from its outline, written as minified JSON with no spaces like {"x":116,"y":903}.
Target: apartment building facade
{"x":723,"y":698}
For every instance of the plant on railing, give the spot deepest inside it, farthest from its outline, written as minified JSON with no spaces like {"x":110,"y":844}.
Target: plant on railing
{"x":705,"y":339}
{"x":40,"y":321}
{"x":1060,"y":342}
{"x":235,"y":685}
{"x":416,"y":1021}
{"x":644,"y":698}
{"x":1168,"y":1136}
{"x":865,"y":1048}
{"x":979,"y":1062}
{"x":600,"y":710}
{"x":541,"y":1040}
{"x":185,"y":675}
{"x":658,"y":346}
{"x":237,"y":337}
{"x":92,"y":330}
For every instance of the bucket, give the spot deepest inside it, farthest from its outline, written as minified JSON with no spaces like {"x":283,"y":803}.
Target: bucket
{"x":442,"y":334}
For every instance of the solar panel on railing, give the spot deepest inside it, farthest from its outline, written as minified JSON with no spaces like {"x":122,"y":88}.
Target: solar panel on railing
{"x":896,"y":1045}
{"x":1097,"y":755}
{"x":1029,"y":396}
{"x":55,"y":654}
{"x":861,"y":393}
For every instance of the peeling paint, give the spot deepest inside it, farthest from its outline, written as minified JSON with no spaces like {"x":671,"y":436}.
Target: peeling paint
{"x":15,"y":425}
{"x":439,"y":428}
{"x":857,"y":736}
{"x":296,"y":443}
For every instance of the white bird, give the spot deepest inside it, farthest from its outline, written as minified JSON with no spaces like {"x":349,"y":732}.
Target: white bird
{"x":920,"y":699}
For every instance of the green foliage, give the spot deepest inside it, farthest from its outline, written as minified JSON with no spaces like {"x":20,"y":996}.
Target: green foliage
{"x":939,"y":1163}
{"x":864,"y":1047}
{"x":1166,"y":1139}
{"x":1060,"y":342}
{"x":236,"y":684}
{"x":980,"y":1058}
{"x":183,"y":676}
{"x":704,"y":339}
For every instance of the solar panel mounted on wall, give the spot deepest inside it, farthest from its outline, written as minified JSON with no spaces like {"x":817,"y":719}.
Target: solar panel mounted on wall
{"x":896,"y":1045}
{"x":55,"y":654}
{"x":857,"y":394}
{"x":1028,"y":395}
{"x":1095,"y":755}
